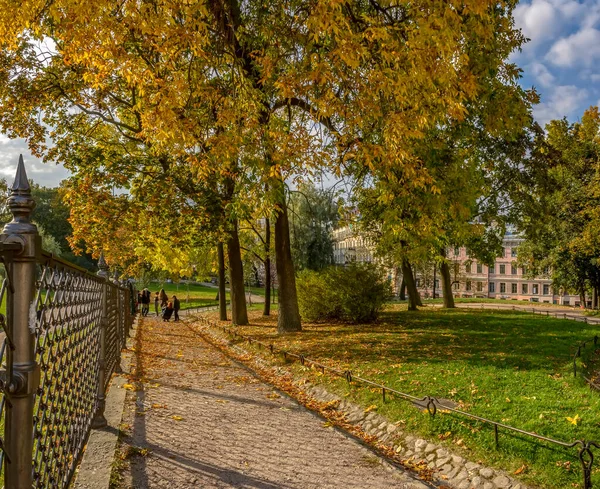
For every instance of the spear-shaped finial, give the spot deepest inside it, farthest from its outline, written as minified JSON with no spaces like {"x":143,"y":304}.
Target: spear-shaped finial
{"x":20,"y":202}
{"x":102,"y":266}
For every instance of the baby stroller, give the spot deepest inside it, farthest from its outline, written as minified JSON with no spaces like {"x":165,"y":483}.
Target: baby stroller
{"x":167,"y":312}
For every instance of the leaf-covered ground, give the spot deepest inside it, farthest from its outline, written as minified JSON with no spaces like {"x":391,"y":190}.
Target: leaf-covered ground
{"x":514,"y":368}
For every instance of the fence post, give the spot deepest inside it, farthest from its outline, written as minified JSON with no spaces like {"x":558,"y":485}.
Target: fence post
{"x":99,"y":420}
{"x":22,"y":376}
{"x":120,"y":322}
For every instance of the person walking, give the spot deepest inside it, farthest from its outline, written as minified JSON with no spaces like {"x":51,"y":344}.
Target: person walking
{"x":145,"y":302}
{"x":176,"y":306}
{"x":168,"y":311}
{"x":156,"y":303}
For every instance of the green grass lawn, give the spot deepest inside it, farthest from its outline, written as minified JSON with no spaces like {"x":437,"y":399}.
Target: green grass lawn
{"x":191,"y":295}
{"x":514,"y":368}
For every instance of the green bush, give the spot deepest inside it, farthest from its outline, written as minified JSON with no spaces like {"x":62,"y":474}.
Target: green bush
{"x":355,"y":293}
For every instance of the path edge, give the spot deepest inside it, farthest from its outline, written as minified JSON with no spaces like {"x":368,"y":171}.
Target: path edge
{"x":96,"y":466}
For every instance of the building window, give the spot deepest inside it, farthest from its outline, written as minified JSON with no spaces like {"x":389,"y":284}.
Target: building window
{"x":524,"y":289}
{"x":492,"y":269}
{"x":535,"y":289}
{"x":456,"y":269}
{"x":546,"y":289}
{"x":502,"y":288}
{"x":468,"y":286}
{"x":513,"y":252}
{"x":418,"y":283}
{"x":513,"y":269}
{"x":524,"y":270}
{"x":479,"y":268}
{"x":546,"y":271}
{"x":502,"y":269}
{"x":455,"y":285}
{"x":513,"y":288}
{"x":468,"y":267}
{"x":492,"y":287}
{"x":456,"y":251}
{"x":437,"y":284}
{"x":479,"y":286}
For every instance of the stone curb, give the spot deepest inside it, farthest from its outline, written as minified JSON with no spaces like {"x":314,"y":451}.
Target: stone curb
{"x":450,"y":469}
{"x":96,"y":465}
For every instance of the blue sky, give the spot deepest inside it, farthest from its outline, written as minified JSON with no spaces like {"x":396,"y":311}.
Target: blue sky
{"x":562,"y":61}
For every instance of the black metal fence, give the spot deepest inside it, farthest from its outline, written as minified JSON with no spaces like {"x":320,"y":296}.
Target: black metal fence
{"x":63,"y":331}
{"x":432,"y":404}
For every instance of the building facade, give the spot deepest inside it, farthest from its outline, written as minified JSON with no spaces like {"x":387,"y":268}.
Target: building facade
{"x":470,"y":278}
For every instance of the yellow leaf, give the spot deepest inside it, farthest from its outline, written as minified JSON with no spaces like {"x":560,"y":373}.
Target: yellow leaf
{"x":129,"y":387}
{"x":574,"y":420}
{"x":508,"y":400}
{"x":520,"y":470}
{"x":372,"y":407}
{"x":177,"y":418}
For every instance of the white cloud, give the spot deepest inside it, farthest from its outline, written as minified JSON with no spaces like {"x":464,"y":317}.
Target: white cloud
{"x":541,"y":74}
{"x":48,"y":175}
{"x":537,"y":20}
{"x":581,"y":48}
{"x":563,"y":101}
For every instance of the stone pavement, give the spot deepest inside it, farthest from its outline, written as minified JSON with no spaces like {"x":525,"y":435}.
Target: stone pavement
{"x":195,"y":419}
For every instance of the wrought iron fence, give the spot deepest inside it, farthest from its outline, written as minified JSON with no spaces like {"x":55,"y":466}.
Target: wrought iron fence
{"x":432,"y":404}
{"x":63,"y":333}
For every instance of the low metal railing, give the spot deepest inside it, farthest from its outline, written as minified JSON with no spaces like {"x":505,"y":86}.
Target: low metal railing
{"x":63,"y":333}
{"x":431,"y":403}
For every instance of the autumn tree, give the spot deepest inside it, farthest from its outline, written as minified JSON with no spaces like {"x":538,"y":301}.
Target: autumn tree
{"x":559,"y":205}
{"x":278,"y":88}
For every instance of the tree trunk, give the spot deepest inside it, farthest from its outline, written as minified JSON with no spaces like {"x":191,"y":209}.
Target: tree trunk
{"x":222,"y":294}
{"x":403,"y":289}
{"x":417,"y":295}
{"x":239,"y":314}
{"x":267,"y":305}
{"x":582,"y":296}
{"x":434,"y":279}
{"x":289,"y":314}
{"x":411,"y":286}
{"x":595,"y":297}
{"x":447,"y":285}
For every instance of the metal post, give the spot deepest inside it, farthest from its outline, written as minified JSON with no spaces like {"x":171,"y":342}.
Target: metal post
{"x":23,"y":372}
{"x":120,"y":323}
{"x":99,"y":420}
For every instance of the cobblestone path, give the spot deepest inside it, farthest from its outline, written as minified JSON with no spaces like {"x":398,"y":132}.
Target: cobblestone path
{"x":195,"y":419}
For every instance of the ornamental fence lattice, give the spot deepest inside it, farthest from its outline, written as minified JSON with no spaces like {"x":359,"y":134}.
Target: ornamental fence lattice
{"x":63,"y":330}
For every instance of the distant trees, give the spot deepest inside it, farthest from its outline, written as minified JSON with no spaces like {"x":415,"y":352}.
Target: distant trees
{"x":314,"y":214}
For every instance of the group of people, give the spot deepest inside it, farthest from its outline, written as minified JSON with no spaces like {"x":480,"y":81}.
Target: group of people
{"x":162,"y":304}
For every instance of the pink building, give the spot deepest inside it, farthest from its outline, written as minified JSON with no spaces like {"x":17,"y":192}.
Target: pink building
{"x":504,"y":280}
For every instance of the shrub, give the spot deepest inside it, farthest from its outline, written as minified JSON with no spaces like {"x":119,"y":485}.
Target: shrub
{"x":355,"y":293}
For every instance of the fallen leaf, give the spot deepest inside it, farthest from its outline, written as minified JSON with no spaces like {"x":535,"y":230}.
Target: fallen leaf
{"x":520,"y":470}
{"x":372,"y":407}
{"x":129,"y":387}
{"x":177,"y":418}
{"x":574,"y":420}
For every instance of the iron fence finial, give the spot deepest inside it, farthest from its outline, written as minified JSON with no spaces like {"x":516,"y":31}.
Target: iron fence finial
{"x":102,"y":266}
{"x":21,"y":203}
